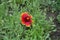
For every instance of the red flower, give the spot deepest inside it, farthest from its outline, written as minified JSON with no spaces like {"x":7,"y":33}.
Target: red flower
{"x":26,"y":19}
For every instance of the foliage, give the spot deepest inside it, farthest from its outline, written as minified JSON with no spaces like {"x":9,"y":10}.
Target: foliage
{"x":58,"y":17}
{"x":10,"y":24}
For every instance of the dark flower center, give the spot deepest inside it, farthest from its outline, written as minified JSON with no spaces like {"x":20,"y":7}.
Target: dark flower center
{"x":27,"y":19}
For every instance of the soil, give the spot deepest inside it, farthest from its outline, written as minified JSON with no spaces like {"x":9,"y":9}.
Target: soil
{"x":54,"y":35}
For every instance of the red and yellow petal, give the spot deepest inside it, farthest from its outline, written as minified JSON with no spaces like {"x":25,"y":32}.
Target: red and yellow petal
{"x":27,"y":24}
{"x":26,"y":19}
{"x":30,"y":16}
{"x":24,"y":14}
{"x":23,"y":23}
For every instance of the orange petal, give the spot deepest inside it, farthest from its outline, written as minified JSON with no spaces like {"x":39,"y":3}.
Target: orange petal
{"x":23,"y":23}
{"x":30,"y":16}
{"x":27,"y":25}
{"x":24,"y":13}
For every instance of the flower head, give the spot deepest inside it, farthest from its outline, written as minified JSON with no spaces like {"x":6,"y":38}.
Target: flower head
{"x":26,"y":19}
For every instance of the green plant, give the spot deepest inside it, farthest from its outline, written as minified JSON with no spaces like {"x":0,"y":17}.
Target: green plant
{"x":58,"y":17}
{"x":10,"y":24}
